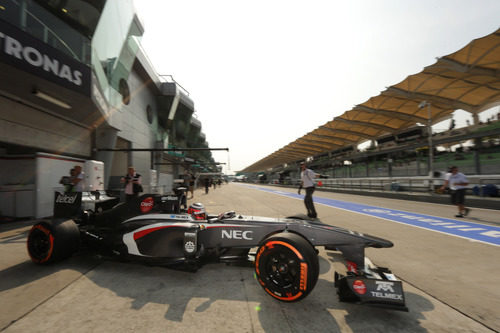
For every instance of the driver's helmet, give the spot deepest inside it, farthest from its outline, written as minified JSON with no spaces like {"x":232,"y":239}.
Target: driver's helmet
{"x":197,"y":211}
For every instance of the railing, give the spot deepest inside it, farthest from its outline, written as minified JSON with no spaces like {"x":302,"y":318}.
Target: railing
{"x":47,"y":30}
{"x":411,"y":184}
{"x":406,"y":184}
{"x":170,"y":79}
{"x":35,"y":20}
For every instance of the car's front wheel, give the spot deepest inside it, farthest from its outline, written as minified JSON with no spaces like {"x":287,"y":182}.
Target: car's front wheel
{"x":287,"y":266}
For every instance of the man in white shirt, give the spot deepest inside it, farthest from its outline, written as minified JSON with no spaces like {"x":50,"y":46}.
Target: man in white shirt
{"x":78,"y":179}
{"x":307,"y":182}
{"x":457,"y":182}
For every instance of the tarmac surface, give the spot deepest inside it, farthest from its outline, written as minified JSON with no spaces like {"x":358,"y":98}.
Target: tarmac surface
{"x":451,"y":284}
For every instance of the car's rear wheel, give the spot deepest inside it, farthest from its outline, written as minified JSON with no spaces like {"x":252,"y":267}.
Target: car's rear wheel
{"x":287,"y":266}
{"x":52,"y":241}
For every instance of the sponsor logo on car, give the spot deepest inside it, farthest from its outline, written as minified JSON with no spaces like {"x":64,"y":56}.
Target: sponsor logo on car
{"x":179,"y":217}
{"x":352,"y":267}
{"x":147,"y":204}
{"x":385,"y":290}
{"x":237,"y":234}
{"x":393,"y":296}
{"x":170,"y":197}
{"x":66,"y":198}
{"x":359,"y":287}
{"x":303,"y":276}
{"x":189,"y":247}
{"x":384,"y":286}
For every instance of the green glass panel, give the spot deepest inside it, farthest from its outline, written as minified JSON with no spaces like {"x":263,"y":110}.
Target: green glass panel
{"x":114,"y":46}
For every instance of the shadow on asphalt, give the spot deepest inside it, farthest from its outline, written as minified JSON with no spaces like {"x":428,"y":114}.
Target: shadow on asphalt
{"x":478,"y":220}
{"x":19,"y":237}
{"x":16,"y":224}
{"x":178,"y":290}
{"x":27,"y":272}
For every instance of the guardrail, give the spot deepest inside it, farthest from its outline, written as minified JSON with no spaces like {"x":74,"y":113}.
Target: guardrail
{"x":170,"y":79}
{"x":407,"y":184}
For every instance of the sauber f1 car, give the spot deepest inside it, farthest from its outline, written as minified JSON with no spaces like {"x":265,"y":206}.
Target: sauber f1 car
{"x":154,"y":229}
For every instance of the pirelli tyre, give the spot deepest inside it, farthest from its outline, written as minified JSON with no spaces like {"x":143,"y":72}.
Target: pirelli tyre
{"x":52,"y":241}
{"x":287,"y":266}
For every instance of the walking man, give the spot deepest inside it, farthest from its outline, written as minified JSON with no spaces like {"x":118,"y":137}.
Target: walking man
{"x":307,"y":182}
{"x":206,"y":182}
{"x":457,"y":182}
{"x":192,"y":179}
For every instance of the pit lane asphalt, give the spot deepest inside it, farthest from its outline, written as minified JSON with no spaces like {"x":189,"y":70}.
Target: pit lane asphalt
{"x":451,"y":284}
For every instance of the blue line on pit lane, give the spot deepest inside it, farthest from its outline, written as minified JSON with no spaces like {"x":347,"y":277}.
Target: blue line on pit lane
{"x":474,"y":231}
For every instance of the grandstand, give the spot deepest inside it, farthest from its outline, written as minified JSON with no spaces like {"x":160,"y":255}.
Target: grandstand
{"x":388,"y":135}
{"x":474,"y":149}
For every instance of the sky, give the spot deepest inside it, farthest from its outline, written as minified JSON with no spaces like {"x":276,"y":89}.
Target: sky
{"x":263,"y":73}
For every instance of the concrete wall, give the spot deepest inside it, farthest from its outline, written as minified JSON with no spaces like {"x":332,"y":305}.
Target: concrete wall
{"x":135,"y":126}
{"x":17,"y":170}
{"x":17,"y":186}
{"x":23,"y":125}
{"x":120,"y":159}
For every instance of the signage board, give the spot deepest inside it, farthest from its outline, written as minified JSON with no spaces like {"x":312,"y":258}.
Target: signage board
{"x":25,"y":52}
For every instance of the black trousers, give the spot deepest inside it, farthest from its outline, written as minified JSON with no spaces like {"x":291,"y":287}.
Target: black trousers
{"x":308,"y":201}
{"x":458,"y":197}
{"x":130,"y":197}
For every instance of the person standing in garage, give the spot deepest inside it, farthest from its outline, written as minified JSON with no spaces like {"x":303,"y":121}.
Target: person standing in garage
{"x":68,"y":181}
{"x":77,"y":180}
{"x":132,"y":181}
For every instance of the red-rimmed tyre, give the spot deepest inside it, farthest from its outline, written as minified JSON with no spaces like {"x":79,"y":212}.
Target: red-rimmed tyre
{"x":287,"y":266}
{"x":52,"y":241}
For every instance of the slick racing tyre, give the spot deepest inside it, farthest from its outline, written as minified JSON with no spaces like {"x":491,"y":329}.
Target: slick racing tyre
{"x":52,"y":241}
{"x":287,"y":266}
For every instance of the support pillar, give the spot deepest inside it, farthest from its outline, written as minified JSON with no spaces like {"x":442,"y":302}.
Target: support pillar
{"x":477,"y":161}
{"x":475,"y":119}
{"x":418,"y":163}
{"x":389,"y":165}
{"x":105,"y":136}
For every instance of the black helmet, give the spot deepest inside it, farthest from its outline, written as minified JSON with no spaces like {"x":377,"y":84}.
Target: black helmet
{"x":197,"y":211}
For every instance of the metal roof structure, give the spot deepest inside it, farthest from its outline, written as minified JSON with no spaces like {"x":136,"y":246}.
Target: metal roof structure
{"x":468,"y":79}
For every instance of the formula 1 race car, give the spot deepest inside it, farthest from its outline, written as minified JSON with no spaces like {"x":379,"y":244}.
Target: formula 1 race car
{"x":153,"y":229}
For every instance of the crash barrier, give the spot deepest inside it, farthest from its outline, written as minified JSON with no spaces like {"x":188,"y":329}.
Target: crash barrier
{"x":483,"y":185}
{"x":489,"y":190}
{"x":412,"y":184}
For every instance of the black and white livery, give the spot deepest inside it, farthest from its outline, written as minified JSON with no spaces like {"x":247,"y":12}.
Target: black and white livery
{"x":152,"y":229}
